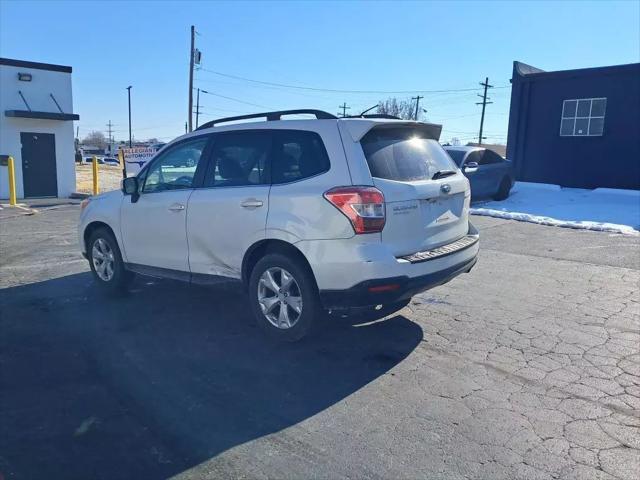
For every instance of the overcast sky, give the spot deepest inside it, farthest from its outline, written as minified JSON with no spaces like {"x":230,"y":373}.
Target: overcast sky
{"x":324,"y":46}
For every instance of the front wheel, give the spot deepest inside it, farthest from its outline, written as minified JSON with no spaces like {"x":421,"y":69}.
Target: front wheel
{"x":106,"y":262}
{"x":284,"y":297}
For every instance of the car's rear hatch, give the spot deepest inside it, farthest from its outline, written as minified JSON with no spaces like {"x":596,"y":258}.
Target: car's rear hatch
{"x":426,"y":196}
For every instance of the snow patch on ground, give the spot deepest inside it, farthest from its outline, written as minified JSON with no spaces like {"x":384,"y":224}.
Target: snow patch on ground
{"x":602,"y":209}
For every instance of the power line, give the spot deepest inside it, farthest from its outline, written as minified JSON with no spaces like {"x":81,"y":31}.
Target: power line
{"x":334,"y":90}
{"x":234,"y":99}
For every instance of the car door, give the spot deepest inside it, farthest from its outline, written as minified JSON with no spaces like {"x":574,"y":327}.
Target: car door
{"x":480,"y":179}
{"x":495,"y":169}
{"x":153,"y":225}
{"x":229,"y":213}
{"x":476,"y":177}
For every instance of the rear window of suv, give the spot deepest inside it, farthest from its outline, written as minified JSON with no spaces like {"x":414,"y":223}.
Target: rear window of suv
{"x":402,"y":154}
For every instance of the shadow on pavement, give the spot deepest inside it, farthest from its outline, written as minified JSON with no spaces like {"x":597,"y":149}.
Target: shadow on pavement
{"x":151,"y":384}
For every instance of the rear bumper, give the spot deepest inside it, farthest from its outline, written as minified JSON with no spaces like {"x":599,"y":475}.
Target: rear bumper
{"x":372,"y":292}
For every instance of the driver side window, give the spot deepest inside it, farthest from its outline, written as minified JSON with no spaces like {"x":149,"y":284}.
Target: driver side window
{"x":175,"y":168}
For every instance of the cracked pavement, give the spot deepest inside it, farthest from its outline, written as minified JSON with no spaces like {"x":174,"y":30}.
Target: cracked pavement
{"x":526,"y":368}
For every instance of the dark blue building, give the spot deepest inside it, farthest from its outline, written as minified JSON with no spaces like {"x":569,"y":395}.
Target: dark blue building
{"x":576,"y":128}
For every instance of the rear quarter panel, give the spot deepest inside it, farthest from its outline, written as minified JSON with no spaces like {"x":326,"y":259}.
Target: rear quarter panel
{"x":298,"y":210}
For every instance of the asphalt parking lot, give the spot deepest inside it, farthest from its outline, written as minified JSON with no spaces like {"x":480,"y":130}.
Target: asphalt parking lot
{"x":526,"y":368}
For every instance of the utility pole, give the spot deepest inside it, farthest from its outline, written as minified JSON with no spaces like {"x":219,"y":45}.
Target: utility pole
{"x":109,"y":132}
{"x":484,"y":104}
{"x":417,"y":99}
{"x":198,"y":105}
{"x":344,"y":109}
{"x":129,"y":95}
{"x":191,"y":53}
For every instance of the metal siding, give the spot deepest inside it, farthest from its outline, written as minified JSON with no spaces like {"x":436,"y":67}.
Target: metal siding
{"x":540,"y":154}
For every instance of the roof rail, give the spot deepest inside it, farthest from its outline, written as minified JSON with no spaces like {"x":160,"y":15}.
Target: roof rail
{"x":270,"y":116}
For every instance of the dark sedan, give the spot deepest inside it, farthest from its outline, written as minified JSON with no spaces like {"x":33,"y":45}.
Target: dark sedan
{"x":489,"y":174}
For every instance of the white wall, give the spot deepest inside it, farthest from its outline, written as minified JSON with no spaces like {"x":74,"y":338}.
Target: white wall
{"x":36,"y":93}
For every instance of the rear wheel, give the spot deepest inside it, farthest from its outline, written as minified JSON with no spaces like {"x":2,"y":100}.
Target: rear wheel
{"x":284,"y":297}
{"x":503,"y":190}
{"x":106,"y":262}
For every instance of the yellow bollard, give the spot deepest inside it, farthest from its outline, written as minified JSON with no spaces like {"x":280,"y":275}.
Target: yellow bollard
{"x":95,"y":175}
{"x":121,"y":161}
{"x":12,"y":182}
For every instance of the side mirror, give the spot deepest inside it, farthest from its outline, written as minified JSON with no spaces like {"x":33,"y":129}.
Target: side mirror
{"x":131,"y":186}
{"x":470,"y":167}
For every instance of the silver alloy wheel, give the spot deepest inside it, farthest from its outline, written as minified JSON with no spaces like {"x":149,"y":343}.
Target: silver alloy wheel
{"x":280,"y":297}
{"x":103,"y":259}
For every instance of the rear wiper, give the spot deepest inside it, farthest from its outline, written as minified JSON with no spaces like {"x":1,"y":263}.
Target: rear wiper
{"x":442,"y":174}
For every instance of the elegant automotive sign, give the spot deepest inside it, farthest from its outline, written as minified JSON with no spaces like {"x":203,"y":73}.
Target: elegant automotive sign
{"x":136,"y":157}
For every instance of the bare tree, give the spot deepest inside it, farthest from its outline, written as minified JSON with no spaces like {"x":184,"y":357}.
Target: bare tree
{"x":405,"y":109}
{"x":95,"y":139}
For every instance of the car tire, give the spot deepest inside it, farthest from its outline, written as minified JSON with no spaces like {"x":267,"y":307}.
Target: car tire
{"x":503,"y":190}
{"x":106,"y":262}
{"x":283,"y":297}
{"x":370,"y":314}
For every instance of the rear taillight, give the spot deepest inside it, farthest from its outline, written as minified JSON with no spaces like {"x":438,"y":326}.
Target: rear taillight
{"x":363,"y":206}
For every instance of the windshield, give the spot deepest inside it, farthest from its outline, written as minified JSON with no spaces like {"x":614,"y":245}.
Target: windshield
{"x":402,"y":154}
{"x":456,"y":155}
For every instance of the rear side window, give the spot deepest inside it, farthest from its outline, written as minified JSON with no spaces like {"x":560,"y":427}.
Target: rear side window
{"x":239,"y":158}
{"x":297,"y":154}
{"x":402,"y":154}
{"x":488,"y":157}
{"x":457,"y":156}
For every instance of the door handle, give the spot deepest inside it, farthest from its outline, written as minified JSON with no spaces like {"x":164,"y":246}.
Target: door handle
{"x":251,"y":203}
{"x":177,"y":207}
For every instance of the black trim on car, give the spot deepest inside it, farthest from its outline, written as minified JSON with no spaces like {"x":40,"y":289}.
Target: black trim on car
{"x":360,"y":295}
{"x":158,"y":272}
{"x":271,"y":116}
{"x":182,"y":276}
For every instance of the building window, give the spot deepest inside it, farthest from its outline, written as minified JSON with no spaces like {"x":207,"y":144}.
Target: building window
{"x":583,"y":117}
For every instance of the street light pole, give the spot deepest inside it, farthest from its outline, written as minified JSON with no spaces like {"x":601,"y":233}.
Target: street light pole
{"x":197,"y":108}
{"x":129,"y":95}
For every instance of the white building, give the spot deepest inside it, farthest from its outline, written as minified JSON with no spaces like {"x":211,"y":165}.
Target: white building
{"x":36,"y":128}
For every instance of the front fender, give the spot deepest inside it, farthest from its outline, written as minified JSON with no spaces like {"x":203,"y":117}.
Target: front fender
{"x":102,"y":209}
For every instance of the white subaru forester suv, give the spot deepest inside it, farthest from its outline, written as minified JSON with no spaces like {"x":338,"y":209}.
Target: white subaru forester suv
{"x":311,"y":216}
